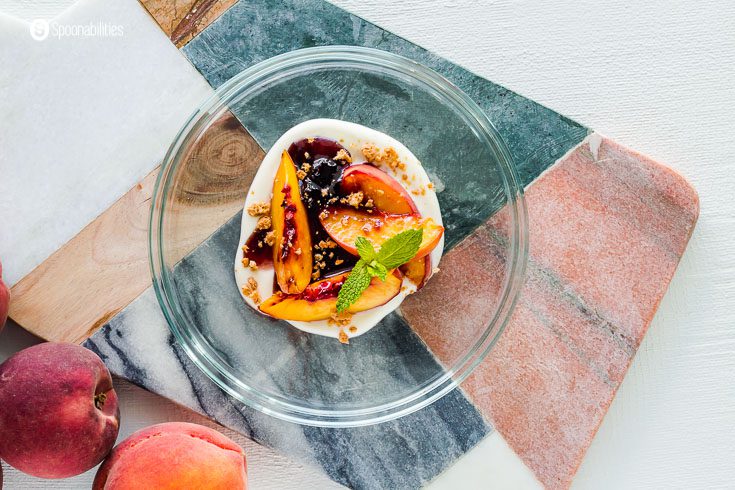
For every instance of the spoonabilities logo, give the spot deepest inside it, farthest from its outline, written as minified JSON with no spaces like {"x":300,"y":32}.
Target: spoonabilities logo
{"x":39,"y":29}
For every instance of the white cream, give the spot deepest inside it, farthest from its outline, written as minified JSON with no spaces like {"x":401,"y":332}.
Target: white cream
{"x":353,"y":137}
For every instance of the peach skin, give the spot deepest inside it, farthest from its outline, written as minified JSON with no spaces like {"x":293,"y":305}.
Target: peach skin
{"x":58,"y":411}
{"x":174,"y":455}
{"x":4,"y":299}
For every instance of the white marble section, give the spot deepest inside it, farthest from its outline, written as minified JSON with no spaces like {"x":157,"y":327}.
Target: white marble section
{"x":84,"y":119}
{"x":490,"y":464}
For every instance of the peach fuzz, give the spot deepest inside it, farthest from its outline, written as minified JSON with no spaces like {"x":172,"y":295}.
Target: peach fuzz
{"x":4,"y":300}
{"x":59,"y":415}
{"x":174,"y":455}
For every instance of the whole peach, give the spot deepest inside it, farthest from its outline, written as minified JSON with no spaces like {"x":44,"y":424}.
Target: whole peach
{"x":58,"y":411}
{"x":174,"y":455}
{"x":4,"y":300}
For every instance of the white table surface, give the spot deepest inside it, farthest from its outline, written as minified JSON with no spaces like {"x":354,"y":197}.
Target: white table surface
{"x":657,"y":76}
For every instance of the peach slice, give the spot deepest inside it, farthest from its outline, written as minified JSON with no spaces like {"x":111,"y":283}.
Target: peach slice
{"x":344,"y":225}
{"x":292,"y":246}
{"x":388,"y":195}
{"x":417,"y":270}
{"x":319,"y":300}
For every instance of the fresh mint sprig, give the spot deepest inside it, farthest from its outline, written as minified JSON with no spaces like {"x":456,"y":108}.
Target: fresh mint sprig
{"x":394,"y":252}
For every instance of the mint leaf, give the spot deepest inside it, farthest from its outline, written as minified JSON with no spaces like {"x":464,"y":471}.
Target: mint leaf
{"x":400,"y":248}
{"x":376,"y":269}
{"x":365,"y":249}
{"x":357,"y":282}
{"x":396,"y":251}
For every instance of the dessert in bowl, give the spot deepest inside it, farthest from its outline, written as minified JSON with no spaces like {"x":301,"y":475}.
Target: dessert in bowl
{"x":307,"y":169}
{"x":323,"y":186}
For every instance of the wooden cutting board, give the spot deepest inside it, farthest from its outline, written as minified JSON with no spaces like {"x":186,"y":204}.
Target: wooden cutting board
{"x":102,"y":269}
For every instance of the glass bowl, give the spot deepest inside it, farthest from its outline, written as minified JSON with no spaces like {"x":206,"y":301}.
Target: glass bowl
{"x":408,"y":360}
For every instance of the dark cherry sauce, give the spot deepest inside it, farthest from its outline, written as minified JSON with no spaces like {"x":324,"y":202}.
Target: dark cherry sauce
{"x":289,"y":230}
{"x":319,"y":189}
{"x":259,"y":251}
{"x":324,"y":290}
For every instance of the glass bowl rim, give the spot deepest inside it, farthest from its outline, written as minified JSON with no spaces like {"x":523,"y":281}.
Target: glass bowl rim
{"x":354,"y":57}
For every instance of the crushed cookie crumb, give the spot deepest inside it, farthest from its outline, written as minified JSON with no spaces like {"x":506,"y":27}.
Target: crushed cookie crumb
{"x":354,"y":199}
{"x":369,"y":203}
{"x":404,"y":177}
{"x":328,"y":243}
{"x":415,"y":192}
{"x":310,"y":140}
{"x":245,"y":249}
{"x":338,"y":262}
{"x":343,"y":337}
{"x":331,"y":255}
{"x":340,"y":319}
{"x":260,"y":243}
{"x":300,"y":174}
{"x":250,"y":290}
{"x":245,"y":262}
{"x":372,"y":153}
{"x":324,"y":214}
{"x":325,"y":192}
{"x":318,"y":257}
{"x":390,"y":158}
{"x":430,"y":185}
{"x":263,"y":223}
{"x":270,"y":238}
{"x":259,"y":208}
{"x":352,"y":329}
{"x":297,"y":251}
{"x":306,"y":155}
{"x":315,"y":275}
{"x":343,"y":155}
{"x":252,"y":265}
{"x":306,"y":167}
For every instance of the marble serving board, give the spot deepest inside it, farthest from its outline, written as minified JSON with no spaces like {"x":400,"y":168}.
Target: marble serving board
{"x":607,"y":229}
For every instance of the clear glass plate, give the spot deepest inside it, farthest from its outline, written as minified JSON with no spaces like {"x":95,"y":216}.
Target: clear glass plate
{"x":195,"y":225}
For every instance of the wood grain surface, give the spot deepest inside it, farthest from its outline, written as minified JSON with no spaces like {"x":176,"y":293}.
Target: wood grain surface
{"x":102,"y":269}
{"x":181,"y":20}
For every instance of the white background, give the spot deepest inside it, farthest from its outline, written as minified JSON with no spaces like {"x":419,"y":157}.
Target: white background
{"x":657,"y":76}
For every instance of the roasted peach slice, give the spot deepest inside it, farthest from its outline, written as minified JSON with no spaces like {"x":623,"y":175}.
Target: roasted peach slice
{"x":387,"y":193}
{"x":319,"y":300}
{"x":292,"y":245}
{"x":344,"y":225}
{"x":417,"y":270}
